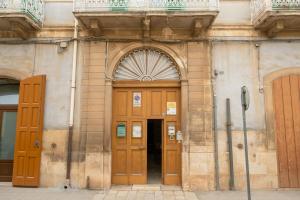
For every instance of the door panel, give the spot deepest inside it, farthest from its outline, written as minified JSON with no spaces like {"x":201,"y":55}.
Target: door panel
{"x":172,"y":147}
{"x":156,"y":103}
{"x":119,"y":151}
{"x":28,"y":145}
{"x":287,"y":105}
{"x":120,"y":103}
{"x":133,"y":145}
{"x":126,"y":110}
{"x":138,"y":152}
{"x":171,"y":156}
{"x":295,"y":91}
{"x":136,"y":109}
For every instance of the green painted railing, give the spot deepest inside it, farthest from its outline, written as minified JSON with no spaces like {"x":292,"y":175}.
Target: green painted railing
{"x":33,"y":8}
{"x":261,"y":6}
{"x":145,"y":5}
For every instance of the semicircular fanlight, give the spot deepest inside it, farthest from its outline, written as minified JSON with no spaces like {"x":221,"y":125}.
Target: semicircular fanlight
{"x":146,"y":65}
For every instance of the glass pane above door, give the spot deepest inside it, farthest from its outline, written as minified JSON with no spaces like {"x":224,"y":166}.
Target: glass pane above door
{"x":8,"y":135}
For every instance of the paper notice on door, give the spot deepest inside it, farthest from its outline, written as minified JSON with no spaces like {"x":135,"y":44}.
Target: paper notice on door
{"x":137,"y":131}
{"x":121,"y":130}
{"x":171,"y":108}
{"x":171,"y":129}
{"x":137,"y":99}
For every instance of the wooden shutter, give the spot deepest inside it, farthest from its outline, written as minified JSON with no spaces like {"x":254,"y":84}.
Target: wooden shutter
{"x":286,"y":94}
{"x":29,"y":130}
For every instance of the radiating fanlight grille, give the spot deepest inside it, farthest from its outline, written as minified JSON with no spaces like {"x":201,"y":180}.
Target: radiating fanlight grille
{"x":146,"y":65}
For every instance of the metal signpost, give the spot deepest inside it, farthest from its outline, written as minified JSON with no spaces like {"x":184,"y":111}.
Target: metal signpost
{"x":245,"y":100}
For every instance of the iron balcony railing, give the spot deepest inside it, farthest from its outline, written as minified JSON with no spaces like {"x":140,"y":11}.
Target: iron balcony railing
{"x":262,"y":6}
{"x":145,"y":5}
{"x":33,"y":8}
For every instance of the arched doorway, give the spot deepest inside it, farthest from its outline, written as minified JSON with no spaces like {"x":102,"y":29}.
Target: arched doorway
{"x":146,"y":116}
{"x":9,"y":94}
{"x":286,"y":100}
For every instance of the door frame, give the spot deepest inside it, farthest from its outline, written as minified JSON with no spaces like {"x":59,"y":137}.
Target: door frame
{"x":107,"y":136}
{"x":3,"y":108}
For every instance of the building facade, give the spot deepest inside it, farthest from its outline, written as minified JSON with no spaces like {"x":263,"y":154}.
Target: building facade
{"x":97,"y":93}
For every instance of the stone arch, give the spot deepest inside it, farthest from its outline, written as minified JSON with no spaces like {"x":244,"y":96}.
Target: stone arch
{"x":268,"y":98}
{"x":146,"y":64}
{"x":175,"y":57}
{"x":13,"y":74}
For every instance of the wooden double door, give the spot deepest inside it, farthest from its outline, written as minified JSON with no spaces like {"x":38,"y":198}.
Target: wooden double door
{"x":286,"y":96}
{"x":132,"y":107}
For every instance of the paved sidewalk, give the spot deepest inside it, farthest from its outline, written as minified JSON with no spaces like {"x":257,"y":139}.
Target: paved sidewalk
{"x":256,"y":195}
{"x":135,"y":192}
{"x":154,"y":192}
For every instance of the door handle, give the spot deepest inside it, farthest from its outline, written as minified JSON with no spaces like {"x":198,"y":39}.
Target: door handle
{"x":37,"y":144}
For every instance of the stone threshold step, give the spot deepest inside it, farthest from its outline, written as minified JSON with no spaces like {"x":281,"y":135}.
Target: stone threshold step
{"x":148,"y":187}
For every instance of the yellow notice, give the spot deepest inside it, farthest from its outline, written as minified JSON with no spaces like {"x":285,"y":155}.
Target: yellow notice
{"x":171,"y":108}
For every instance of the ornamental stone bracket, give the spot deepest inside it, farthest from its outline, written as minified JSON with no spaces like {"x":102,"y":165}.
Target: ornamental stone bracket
{"x":20,"y":30}
{"x":198,"y":28}
{"x":95,"y":28}
{"x":17,"y":26}
{"x":146,"y":27}
{"x":276,"y":28}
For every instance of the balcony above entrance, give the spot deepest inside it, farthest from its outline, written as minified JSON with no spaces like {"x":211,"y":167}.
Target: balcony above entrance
{"x":146,"y":18}
{"x":20,"y":17}
{"x":273,"y":16}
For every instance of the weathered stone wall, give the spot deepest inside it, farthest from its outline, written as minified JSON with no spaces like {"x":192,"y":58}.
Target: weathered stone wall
{"x":200,"y":117}
{"x":21,"y":61}
{"x":238,"y":63}
{"x":262,"y":161}
{"x":91,"y":107}
{"x":54,"y":156}
{"x":195,"y":63}
{"x":249,"y":63}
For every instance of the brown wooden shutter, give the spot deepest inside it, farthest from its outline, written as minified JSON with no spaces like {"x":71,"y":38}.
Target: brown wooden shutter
{"x":29,"y":130}
{"x":286,"y":94}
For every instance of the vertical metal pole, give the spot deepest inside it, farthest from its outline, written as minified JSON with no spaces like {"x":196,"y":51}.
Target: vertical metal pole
{"x":229,"y":136}
{"x":246,"y":153}
{"x":216,"y":144}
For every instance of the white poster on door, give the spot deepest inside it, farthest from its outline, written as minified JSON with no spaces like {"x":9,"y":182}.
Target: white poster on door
{"x":137,"y":131}
{"x":137,"y":99}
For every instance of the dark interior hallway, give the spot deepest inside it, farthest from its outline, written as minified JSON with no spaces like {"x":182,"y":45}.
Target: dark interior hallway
{"x":154,"y":153}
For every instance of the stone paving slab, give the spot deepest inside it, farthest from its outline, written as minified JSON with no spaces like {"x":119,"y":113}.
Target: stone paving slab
{"x":137,"y":192}
{"x":291,"y":194}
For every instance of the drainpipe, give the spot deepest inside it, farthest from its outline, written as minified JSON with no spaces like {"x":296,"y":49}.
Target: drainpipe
{"x":72,"y":103}
{"x":215,"y":124}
